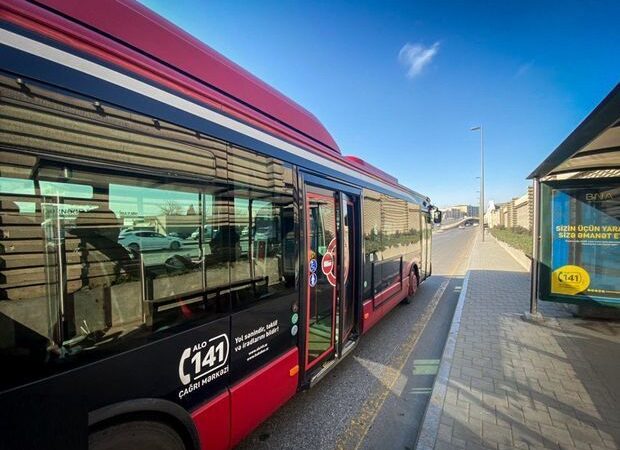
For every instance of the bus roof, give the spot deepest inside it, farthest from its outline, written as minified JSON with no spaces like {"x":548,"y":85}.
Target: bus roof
{"x":156,"y":49}
{"x":159,"y":38}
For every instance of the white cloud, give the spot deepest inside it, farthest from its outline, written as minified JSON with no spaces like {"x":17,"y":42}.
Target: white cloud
{"x":523,"y":69}
{"x":416,"y":56}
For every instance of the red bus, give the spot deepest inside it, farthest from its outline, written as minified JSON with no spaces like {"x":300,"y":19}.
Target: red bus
{"x":182,"y":248}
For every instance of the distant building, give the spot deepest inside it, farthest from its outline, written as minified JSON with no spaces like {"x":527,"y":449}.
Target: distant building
{"x":519,"y":212}
{"x":459,"y":212}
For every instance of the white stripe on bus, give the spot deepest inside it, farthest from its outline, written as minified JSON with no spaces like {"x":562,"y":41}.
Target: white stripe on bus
{"x":88,"y":67}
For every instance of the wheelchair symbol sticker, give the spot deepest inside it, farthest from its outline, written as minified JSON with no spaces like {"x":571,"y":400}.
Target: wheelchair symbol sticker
{"x":313,"y":265}
{"x":312,"y":279}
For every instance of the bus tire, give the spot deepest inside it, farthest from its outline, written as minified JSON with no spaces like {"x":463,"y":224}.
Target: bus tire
{"x":413,"y":285}
{"x":138,"y":434}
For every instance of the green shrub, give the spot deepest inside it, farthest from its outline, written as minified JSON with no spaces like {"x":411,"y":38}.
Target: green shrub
{"x":517,"y":237}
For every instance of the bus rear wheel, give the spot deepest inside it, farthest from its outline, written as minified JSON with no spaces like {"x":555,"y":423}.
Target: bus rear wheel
{"x":413,"y":287}
{"x":144,"y":435}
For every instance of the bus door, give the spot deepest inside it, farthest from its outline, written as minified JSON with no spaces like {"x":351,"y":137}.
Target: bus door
{"x":428,"y":230}
{"x":347,"y":251}
{"x":424,"y":243}
{"x":321,"y":275}
{"x":330,"y":274}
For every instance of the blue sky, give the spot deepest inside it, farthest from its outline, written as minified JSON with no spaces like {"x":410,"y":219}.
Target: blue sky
{"x":401,"y":83}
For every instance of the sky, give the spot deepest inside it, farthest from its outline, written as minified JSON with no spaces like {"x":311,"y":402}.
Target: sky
{"x":400,"y":84}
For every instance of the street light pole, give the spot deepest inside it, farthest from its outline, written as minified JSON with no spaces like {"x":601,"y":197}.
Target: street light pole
{"x":481,"y":212}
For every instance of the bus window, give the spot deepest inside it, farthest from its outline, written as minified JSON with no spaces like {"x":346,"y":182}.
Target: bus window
{"x":263,"y":273}
{"x":93,"y":260}
{"x":266,"y":246}
{"x":156,"y":224}
{"x":28,"y":277}
{"x":130,"y":261}
{"x":262,"y":213}
{"x":392,"y":232}
{"x":322,"y":248}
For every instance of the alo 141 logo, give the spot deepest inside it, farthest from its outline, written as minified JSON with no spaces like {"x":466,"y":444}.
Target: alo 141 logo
{"x":205,"y":361}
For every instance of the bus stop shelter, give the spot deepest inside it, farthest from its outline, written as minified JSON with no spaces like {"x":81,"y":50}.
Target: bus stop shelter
{"x":576,"y":254}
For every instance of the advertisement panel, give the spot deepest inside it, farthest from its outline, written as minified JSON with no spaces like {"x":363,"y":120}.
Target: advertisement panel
{"x":585,"y":251}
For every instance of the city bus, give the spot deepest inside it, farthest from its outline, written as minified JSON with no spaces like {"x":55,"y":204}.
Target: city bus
{"x":182,"y":248}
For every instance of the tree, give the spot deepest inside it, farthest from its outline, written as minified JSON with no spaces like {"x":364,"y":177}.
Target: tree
{"x":170,"y":208}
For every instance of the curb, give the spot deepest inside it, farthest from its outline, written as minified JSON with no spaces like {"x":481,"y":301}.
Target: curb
{"x":427,"y":437}
{"x":523,"y":260}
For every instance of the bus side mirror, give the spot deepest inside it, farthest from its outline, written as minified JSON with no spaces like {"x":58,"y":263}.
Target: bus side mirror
{"x":437,"y":215}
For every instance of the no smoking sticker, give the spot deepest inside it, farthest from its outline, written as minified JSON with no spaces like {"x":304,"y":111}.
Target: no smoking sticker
{"x":328,"y":263}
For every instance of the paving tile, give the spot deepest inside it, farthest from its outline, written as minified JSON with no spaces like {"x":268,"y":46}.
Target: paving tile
{"x":481,"y":446}
{"x":530,"y":434}
{"x":537,"y":416}
{"x":497,"y":400}
{"x":443,"y":445}
{"x":446,"y":420}
{"x":445,"y":432}
{"x":495,"y":433}
{"x":458,"y":443}
{"x":514,"y":384}
{"x":556,"y":434}
{"x":609,"y":434}
{"x":482,"y":412}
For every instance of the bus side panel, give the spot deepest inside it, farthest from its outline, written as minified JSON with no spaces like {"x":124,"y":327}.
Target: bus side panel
{"x":387,"y":294}
{"x":372,"y":315}
{"x":213,"y":423}
{"x":261,"y":394}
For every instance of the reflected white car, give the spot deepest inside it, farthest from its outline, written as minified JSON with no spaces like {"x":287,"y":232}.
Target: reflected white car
{"x":207,"y":234}
{"x":148,"y":240}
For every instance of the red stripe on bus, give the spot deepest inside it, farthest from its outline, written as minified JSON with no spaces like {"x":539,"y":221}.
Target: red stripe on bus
{"x":372,"y":315}
{"x":212,"y":422}
{"x":257,"y":397}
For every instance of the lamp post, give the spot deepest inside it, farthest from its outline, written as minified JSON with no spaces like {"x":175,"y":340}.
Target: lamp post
{"x":481,"y":212}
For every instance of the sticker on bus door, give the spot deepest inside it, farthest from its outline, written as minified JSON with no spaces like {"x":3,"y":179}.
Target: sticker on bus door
{"x":328,"y":263}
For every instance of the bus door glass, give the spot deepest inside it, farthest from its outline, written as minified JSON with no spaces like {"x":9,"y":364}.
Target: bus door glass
{"x":424,"y":242}
{"x":348,"y":266}
{"x":321,"y":277}
{"x":429,"y":249}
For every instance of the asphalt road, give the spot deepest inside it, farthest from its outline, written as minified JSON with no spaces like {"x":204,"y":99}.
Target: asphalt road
{"x":376,"y":397}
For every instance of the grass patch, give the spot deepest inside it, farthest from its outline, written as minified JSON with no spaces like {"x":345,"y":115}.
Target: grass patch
{"x":519,"y":238}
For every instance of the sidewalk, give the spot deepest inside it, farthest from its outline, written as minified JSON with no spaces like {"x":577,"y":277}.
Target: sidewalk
{"x":506,"y":383}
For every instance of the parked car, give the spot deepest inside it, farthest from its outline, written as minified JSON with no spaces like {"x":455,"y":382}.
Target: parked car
{"x":148,"y":240}
{"x":207,"y":234}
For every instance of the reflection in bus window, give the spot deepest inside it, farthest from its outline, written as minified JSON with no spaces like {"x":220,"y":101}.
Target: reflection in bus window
{"x":262,"y":212}
{"x":95,"y":261}
{"x":90,"y":259}
{"x":28,"y":285}
{"x":321,"y":232}
{"x":264,"y":230}
{"x":155,"y":225}
{"x":391,"y":232}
